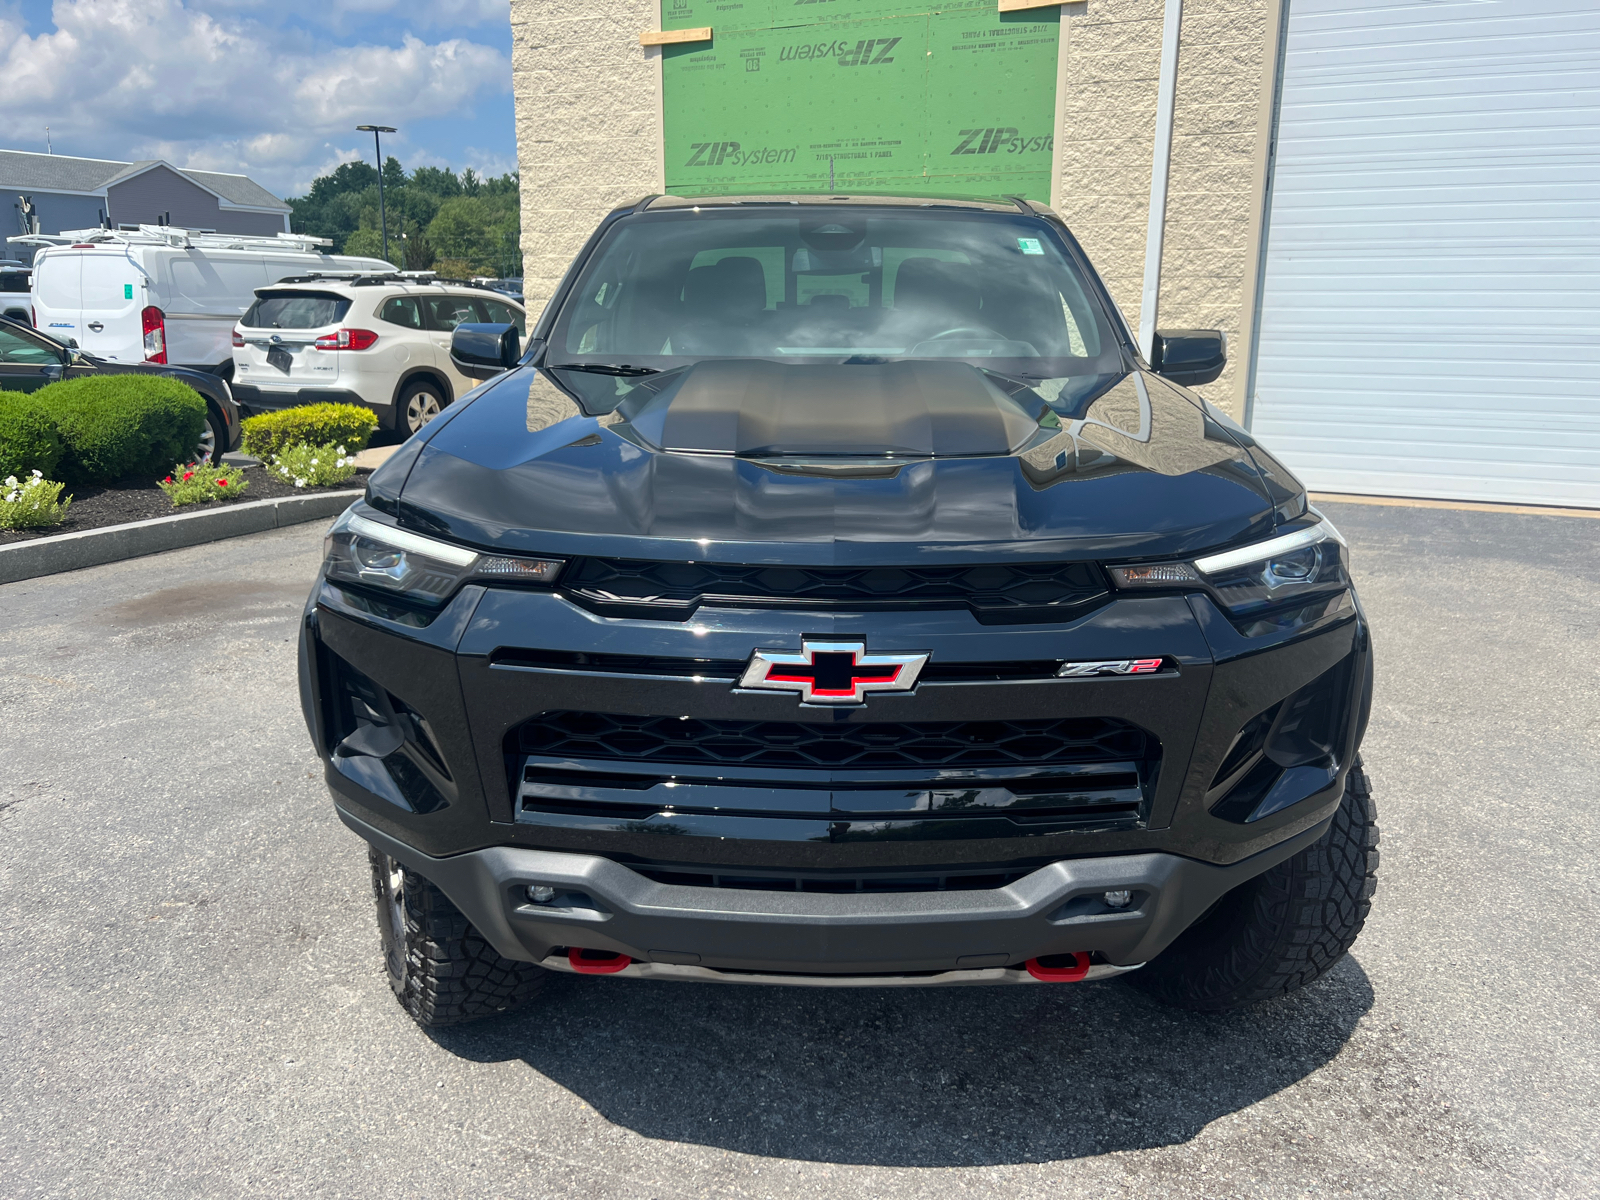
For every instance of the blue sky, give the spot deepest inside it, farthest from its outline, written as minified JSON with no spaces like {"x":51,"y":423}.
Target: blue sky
{"x":273,"y":90}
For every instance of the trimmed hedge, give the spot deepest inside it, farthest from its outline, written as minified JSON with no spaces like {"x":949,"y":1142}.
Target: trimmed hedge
{"x":114,"y":426}
{"x":348,"y":425}
{"x":29,"y":440}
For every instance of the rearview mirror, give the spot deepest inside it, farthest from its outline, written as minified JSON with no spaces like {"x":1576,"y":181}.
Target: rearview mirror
{"x":1189,"y":357}
{"x":484,"y":351}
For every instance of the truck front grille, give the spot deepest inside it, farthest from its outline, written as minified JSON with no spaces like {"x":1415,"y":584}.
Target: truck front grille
{"x":885,"y":745}
{"x":995,"y":593}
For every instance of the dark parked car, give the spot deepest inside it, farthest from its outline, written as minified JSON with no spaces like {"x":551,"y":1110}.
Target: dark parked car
{"x":29,"y":360}
{"x":833,"y":596}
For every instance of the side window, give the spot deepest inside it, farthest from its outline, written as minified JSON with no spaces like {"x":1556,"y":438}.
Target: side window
{"x":402,"y":310}
{"x":14,"y":349}
{"x":503,"y":314}
{"x":446,"y":312}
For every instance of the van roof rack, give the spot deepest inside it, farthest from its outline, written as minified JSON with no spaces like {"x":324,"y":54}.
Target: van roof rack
{"x":175,"y":236}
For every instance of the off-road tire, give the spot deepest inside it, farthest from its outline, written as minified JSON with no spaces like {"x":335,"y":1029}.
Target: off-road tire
{"x":440,"y":968}
{"x":1282,"y":929}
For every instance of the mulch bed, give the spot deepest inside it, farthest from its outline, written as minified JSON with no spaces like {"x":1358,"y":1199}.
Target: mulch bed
{"x":95,"y":507}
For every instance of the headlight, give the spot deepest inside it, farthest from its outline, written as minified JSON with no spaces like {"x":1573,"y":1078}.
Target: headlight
{"x":1298,"y":566}
{"x":362,"y":551}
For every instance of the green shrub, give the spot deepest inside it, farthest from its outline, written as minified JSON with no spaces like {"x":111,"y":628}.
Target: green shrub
{"x":311,"y":425}
{"x":29,"y":440}
{"x":198,"y":484}
{"x":33,"y":504}
{"x":114,"y":426}
{"x":313,"y":466}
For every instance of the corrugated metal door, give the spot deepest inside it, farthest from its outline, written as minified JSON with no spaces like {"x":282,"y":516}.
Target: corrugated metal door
{"x":1430,"y":320}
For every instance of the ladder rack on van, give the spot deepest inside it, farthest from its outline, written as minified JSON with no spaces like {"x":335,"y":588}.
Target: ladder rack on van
{"x":174,"y":236}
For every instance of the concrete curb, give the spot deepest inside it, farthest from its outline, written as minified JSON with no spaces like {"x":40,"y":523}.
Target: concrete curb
{"x":92,"y":547}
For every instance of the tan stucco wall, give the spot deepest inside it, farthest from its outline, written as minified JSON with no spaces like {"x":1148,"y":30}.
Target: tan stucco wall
{"x":1113,"y":59}
{"x":589,"y":130}
{"x":588,"y":123}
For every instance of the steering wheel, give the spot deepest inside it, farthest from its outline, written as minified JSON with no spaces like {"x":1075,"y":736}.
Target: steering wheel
{"x":987,"y":335}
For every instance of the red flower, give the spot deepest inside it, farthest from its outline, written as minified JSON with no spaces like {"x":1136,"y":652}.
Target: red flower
{"x":222,"y":483}
{"x":168,"y":479}
{"x":188,"y":475}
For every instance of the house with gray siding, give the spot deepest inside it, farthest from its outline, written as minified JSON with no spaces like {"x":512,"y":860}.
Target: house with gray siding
{"x":82,"y":193}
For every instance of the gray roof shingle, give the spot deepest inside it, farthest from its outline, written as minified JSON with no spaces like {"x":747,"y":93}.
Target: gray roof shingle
{"x":237,"y":189}
{"x":55,"y":172}
{"x":61,"y":173}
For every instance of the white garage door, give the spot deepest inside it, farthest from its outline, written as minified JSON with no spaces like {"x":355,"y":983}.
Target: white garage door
{"x":1430,"y":320}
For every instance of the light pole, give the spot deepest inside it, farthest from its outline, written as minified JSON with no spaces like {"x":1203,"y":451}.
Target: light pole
{"x":377,"y":148}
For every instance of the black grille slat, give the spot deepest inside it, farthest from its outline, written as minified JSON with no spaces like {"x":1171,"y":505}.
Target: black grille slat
{"x":886,"y":745}
{"x":995,"y":592}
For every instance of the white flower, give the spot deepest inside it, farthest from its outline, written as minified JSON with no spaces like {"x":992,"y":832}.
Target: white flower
{"x":299,"y":483}
{"x":12,"y":498}
{"x":11,"y":481}
{"x":341,"y":450}
{"x":38,"y":474}
{"x":283,"y":470}
{"x":313,"y":462}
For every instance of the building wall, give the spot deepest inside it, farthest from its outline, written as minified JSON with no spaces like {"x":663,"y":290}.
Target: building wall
{"x":588,"y":138}
{"x":56,"y":211}
{"x":1112,"y":65}
{"x":588,"y":123}
{"x":146,"y":198}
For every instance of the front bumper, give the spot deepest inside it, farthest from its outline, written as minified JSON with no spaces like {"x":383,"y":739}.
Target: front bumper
{"x":842,"y":889}
{"x":602,"y":905}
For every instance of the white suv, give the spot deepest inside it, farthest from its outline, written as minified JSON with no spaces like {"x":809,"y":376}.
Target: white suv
{"x":378,"y":340}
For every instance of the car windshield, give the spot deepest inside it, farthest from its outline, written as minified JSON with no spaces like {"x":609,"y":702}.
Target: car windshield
{"x":842,"y":285}
{"x":296,"y":310}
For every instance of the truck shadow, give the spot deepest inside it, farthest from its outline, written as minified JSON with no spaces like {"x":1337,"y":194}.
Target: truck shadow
{"x":916,"y":1077}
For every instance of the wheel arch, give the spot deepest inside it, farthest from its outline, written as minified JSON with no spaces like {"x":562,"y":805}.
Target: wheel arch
{"x":410,"y":376}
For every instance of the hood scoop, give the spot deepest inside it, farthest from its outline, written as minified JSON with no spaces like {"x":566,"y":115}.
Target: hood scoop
{"x":752,"y":408}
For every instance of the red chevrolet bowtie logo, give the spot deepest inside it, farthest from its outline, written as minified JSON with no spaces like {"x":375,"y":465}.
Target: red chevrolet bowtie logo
{"x":832,"y":672}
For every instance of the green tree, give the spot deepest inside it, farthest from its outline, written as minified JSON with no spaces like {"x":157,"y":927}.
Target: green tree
{"x":471,"y":223}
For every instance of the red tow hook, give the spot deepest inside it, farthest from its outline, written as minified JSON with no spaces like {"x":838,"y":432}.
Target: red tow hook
{"x":1059,"y":968}
{"x":596,"y":962}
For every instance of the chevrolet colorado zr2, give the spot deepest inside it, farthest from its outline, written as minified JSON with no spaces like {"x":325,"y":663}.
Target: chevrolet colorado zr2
{"x":831,"y":594}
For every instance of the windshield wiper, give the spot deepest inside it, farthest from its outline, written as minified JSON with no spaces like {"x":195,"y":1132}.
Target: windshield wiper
{"x":605,"y":368}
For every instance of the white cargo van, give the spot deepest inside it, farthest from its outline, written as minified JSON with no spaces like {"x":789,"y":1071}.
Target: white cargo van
{"x":164,"y":294}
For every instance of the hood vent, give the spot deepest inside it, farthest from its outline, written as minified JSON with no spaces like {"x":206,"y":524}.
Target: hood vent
{"x":759,"y":409}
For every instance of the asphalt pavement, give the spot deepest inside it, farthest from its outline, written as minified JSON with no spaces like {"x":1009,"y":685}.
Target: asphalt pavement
{"x":192,"y":1003}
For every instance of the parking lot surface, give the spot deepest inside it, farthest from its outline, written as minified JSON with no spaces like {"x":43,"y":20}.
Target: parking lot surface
{"x":192,"y":1002}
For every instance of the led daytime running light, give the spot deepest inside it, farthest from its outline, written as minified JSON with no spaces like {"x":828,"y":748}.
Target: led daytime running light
{"x":1228,"y":560}
{"x":456,"y":556}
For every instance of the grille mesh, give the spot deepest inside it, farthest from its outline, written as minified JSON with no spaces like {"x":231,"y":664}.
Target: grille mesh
{"x":795,"y":744}
{"x":995,"y":592}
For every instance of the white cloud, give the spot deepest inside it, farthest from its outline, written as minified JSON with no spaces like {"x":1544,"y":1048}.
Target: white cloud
{"x":156,"y":79}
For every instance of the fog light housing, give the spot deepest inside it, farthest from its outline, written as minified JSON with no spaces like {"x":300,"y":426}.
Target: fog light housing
{"x":1120,"y":898}
{"x":541,"y":893}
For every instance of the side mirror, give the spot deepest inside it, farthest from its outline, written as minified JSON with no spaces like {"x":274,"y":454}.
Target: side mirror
{"x":484,"y":351}
{"x":1189,"y":357}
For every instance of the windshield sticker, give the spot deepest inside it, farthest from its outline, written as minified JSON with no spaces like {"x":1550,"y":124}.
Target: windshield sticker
{"x":1029,"y":246}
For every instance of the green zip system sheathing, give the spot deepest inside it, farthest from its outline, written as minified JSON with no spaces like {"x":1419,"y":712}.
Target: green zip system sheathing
{"x":860,"y":97}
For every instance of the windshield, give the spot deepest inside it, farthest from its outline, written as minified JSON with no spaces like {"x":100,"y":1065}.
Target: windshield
{"x":841,"y":285}
{"x":296,"y":310}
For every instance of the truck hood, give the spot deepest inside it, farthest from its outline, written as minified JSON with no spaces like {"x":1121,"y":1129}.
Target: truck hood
{"x":895,"y":463}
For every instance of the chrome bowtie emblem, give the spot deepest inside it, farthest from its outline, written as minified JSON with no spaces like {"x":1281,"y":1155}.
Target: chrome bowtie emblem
{"x":1114,"y":666}
{"x":829,"y":672}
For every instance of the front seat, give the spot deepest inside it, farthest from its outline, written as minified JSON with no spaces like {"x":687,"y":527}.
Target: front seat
{"x":722,"y":305}
{"x":933,"y":295}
